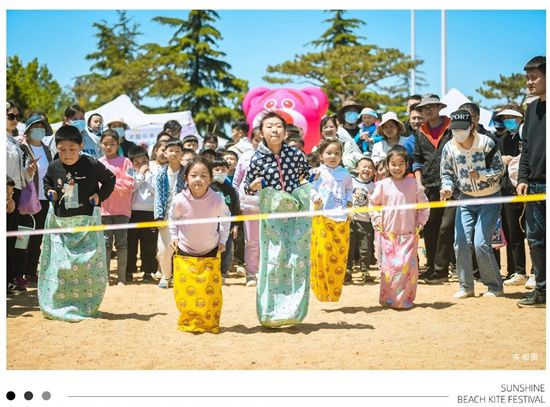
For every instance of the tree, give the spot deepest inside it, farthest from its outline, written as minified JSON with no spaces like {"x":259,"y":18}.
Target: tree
{"x":191,"y":74}
{"x":346,"y":72}
{"x":510,"y":88}
{"x":346,"y":68}
{"x":118,"y":67}
{"x":33,"y":88}
{"x":340,"y":31}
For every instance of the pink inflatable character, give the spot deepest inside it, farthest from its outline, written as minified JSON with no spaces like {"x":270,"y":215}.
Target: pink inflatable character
{"x":303,"y":108}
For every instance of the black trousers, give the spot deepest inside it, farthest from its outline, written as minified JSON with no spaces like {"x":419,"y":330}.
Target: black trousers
{"x":362,"y":237}
{"x":12,"y":221}
{"x":515,"y":236}
{"x":439,"y":236}
{"x":30,"y":256}
{"x":147,"y":240}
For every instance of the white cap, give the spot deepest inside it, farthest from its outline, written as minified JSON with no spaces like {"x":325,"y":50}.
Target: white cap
{"x":118,"y":120}
{"x":509,"y":112}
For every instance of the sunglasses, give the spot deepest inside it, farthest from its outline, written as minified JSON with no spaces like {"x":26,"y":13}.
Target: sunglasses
{"x":12,"y":116}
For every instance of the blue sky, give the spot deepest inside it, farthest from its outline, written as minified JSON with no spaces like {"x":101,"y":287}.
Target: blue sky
{"x":481,"y":44}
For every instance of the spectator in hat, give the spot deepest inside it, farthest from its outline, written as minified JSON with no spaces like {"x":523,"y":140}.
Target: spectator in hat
{"x":367,"y":131}
{"x":475,"y":112}
{"x":348,"y":119}
{"x":509,"y":143}
{"x":432,"y":136}
{"x":532,"y":176}
{"x":471,"y":163}
{"x":497,"y":123}
{"x":120,"y":127}
{"x":34,"y":151}
{"x":392,"y":131}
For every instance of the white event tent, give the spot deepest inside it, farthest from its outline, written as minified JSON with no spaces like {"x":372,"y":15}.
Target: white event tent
{"x":143,"y":127}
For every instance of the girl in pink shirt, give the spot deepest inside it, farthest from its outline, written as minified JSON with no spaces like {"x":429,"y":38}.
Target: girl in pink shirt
{"x":197,"y":248}
{"x":117,"y":208}
{"x":398,"y":230}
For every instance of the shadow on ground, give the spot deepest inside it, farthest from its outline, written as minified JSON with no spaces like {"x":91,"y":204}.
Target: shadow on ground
{"x":378,"y":308}
{"x":304,"y":328}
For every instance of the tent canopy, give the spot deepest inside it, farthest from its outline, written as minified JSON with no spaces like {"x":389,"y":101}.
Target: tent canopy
{"x":454,"y":98}
{"x":143,"y":127}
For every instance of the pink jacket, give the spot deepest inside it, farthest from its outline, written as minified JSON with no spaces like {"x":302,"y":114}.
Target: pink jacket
{"x":388,"y":192}
{"x":199,"y":239}
{"x":120,"y":201}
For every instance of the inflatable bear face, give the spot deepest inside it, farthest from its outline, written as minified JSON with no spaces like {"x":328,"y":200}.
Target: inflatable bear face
{"x":303,"y":108}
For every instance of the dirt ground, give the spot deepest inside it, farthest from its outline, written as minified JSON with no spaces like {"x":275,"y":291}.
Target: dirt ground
{"x":137,"y":330}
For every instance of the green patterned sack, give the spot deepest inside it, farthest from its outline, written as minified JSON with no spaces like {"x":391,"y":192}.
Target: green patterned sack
{"x":283,"y":276}
{"x":73,"y":270}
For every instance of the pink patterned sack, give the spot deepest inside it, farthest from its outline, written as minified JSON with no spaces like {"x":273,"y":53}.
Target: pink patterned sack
{"x":398,"y":269}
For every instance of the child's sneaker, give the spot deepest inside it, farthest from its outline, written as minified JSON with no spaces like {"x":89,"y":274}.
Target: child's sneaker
{"x":251,"y":280}
{"x":164,"y":283}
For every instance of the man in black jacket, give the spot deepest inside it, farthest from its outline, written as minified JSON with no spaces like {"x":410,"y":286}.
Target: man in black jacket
{"x":433,"y":134}
{"x":532,"y":177}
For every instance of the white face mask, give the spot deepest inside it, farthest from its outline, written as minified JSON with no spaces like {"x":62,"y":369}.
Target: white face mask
{"x":220,"y":178}
{"x":461,"y":135}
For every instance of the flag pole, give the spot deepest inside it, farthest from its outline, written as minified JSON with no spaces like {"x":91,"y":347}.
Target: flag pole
{"x":413,"y":51}
{"x":443,"y":53}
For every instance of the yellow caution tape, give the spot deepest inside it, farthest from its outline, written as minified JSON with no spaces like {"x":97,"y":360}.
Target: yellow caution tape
{"x":286,"y":215}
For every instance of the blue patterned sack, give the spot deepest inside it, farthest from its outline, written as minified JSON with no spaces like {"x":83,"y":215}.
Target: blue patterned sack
{"x":283,"y":276}
{"x":73,"y":269}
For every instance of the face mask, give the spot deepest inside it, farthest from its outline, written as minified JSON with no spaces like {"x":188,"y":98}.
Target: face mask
{"x":511,"y":124}
{"x":461,"y":135}
{"x":97,"y":132}
{"x":79,"y":124}
{"x":220,"y":178}
{"x":351,"y":117}
{"x":119,"y":131}
{"x":38,"y":134}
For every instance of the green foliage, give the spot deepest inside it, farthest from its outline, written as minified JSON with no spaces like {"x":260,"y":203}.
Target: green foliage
{"x":347,"y":68}
{"x":375,"y":76}
{"x":340,"y":31}
{"x":117,"y":68}
{"x":190,"y":72}
{"x":510,"y":88}
{"x":33,"y":88}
